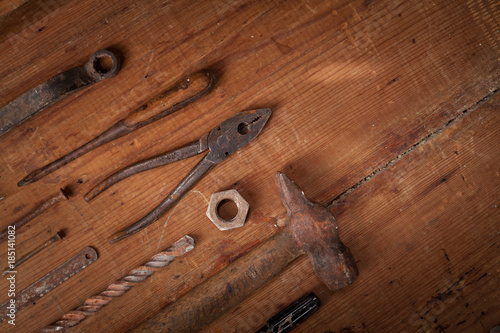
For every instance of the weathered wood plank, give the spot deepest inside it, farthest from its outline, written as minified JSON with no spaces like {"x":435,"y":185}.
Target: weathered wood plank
{"x":426,"y":238}
{"x":352,"y":85}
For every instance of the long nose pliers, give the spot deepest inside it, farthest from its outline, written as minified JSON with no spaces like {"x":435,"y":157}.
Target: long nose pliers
{"x":231,"y":135}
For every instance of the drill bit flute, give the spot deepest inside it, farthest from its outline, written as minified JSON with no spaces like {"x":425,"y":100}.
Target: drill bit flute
{"x":118,"y":288}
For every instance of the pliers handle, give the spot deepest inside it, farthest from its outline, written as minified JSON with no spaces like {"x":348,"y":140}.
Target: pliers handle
{"x":189,"y":150}
{"x":228,"y":137}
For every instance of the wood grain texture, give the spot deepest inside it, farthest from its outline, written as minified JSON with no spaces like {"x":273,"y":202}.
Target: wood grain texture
{"x":352,"y":85}
{"x":424,"y":233}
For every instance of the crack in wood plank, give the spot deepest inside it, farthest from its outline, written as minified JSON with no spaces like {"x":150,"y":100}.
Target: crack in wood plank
{"x":418,"y":144}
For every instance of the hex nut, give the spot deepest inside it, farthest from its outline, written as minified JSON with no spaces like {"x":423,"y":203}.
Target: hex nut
{"x":235,"y":222}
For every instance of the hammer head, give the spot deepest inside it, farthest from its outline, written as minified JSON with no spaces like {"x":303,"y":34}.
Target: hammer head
{"x":315,"y":230}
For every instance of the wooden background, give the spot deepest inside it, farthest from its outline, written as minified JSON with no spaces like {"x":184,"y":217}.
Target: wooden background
{"x":384,"y":110}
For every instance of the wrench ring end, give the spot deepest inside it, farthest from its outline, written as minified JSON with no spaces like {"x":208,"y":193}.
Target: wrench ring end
{"x":99,"y":72}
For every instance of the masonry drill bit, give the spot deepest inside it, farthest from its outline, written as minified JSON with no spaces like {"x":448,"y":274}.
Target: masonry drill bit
{"x":141,"y":273}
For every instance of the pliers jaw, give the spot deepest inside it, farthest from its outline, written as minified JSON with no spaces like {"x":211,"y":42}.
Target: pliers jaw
{"x":229,"y":136}
{"x":235,"y":133}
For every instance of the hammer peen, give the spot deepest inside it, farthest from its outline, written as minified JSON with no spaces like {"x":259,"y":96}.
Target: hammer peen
{"x":311,"y":229}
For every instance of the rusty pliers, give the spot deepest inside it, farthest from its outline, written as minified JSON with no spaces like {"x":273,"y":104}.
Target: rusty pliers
{"x":231,"y":135}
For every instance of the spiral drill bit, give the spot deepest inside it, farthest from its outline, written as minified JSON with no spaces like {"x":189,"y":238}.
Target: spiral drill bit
{"x":94,"y":304}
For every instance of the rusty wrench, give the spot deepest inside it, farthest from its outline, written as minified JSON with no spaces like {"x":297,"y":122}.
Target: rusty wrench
{"x":170,"y":101}
{"x":56,"y":88}
{"x":231,"y":135}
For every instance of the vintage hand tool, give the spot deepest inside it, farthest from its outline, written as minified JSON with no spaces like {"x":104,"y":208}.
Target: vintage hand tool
{"x":230,"y":136}
{"x":56,"y":88}
{"x":293,"y":315}
{"x":170,"y":101}
{"x":311,"y":229}
{"x":94,"y":304}
{"x":58,"y":236}
{"x":61,"y":195}
{"x":48,"y":282}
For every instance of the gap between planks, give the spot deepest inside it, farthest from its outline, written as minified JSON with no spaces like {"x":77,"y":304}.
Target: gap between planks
{"x":419,"y":143}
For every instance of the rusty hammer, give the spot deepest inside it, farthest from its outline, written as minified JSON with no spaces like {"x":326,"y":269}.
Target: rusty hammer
{"x":311,"y":229}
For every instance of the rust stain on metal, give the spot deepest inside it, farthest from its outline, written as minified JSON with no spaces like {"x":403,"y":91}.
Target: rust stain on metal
{"x":94,"y":304}
{"x":312,"y":229}
{"x":170,"y":101}
{"x":228,"y":251}
{"x":61,"y":195}
{"x":58,"y":236}
{"x":184,"y":152}
{"x":230,"y":136}
{"x":56,"y":88}
{"x":242,"y":208}
{"x":50,"y":281}
{"x":315,"y":230}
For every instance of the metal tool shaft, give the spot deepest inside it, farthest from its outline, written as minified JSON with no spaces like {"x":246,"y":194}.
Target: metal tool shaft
{"x":226,"y":289}
{"x":170,"y":101}
{"x":187,"y":151}
{"x":58,"y":236}
{"x":50,"y":281}
{"x":201,"y":169}
{"x":37,"y":211}
{"x":231,"y":135}
{"x":56,"y":88}
{"x":311,"y":229}
{"x":117,"y":289}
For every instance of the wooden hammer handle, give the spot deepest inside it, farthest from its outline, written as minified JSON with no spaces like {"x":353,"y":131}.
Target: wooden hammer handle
{"x":226,"y":289}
